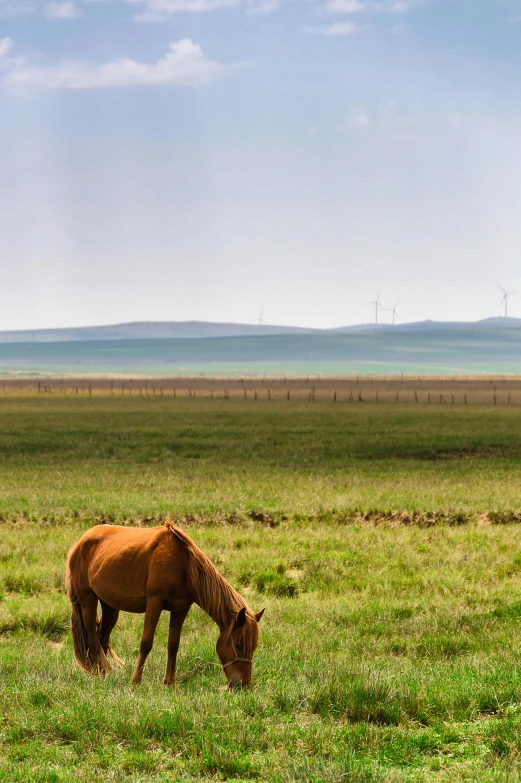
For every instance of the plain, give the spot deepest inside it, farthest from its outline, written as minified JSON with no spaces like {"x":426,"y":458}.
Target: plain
{"x":383,"y":541}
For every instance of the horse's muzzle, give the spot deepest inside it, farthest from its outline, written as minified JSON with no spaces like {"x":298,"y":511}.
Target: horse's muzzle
{"x":235,"y":685}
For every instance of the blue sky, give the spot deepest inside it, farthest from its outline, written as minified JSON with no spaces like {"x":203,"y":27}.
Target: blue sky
{"x":212,"y":159}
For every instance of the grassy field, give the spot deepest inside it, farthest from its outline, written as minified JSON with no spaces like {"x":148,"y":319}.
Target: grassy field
{"x":382,"y":541}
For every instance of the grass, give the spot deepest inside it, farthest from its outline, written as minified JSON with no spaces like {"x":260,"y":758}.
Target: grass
{"x":131,"y":458}
{"x":378,"y":540}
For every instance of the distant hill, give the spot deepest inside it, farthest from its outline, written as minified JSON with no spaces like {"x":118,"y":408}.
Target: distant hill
{"x":462,"y":350}
{"x":434,"y":326}
{"x":194,"y":330}
{"x":147,"y":330}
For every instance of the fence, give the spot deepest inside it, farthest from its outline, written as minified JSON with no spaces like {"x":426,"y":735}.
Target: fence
{"x":357,"y":390}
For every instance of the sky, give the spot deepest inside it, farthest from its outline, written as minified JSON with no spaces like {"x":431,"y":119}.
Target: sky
{"x":225,"y":160}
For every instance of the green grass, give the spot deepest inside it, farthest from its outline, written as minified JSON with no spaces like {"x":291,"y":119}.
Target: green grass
{"x":391,"y":639}
{"x":126,"y":458}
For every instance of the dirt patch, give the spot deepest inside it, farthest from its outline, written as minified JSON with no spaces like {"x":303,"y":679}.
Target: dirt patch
{"x":471,"y":452}
{"x":250,"y":518}
{"x":411,"y":518}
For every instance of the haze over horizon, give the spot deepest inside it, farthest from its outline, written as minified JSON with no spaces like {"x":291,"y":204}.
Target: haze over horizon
{"x":214,"y":159}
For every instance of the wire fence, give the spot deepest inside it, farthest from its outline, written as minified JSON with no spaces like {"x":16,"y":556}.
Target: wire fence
{"x":377,"y":390}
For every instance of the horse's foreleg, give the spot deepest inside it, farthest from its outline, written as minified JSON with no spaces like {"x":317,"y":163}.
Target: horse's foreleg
{"x":176,"y":623}
{"x":109,"y":618}
{"x":152,"y":615}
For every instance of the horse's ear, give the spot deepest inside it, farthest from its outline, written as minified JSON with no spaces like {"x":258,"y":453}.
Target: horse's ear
{"x":258,"y":615}
{"x":240,"y":620}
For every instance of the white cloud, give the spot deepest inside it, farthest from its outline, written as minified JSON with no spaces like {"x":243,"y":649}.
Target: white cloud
{"x":372,"y":6}
{"x":262,"y":7}
{"x":340,"y":28}
{"x":158,"y":10}
{"x":183,"y":65}
{"x":358,"y":119}
{"x":6,"y":45}
{"x":67,"y":10}
{"x":331,"y":30}
{"x":401,"y":7}
{"x":456,"y":121}
{"x":9,"y":10}
{"x":345,"y":6}
{"x":402,"y":137}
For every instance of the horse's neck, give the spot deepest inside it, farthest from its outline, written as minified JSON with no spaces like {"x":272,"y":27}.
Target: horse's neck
{"x":217,"y":598}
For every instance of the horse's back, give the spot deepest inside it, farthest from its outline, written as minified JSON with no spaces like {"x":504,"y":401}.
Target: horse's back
{"x":124,"y":565}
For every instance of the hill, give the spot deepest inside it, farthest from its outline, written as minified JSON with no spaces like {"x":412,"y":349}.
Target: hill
{"x":147,"y":330}
{"x":449,"y":351}
{"x":193,"y":330}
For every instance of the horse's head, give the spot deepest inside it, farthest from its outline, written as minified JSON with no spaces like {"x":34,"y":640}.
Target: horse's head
{"x":236,"y":645}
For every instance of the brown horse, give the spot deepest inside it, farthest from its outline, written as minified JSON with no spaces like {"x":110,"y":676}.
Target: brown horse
{"x":151,"y":570}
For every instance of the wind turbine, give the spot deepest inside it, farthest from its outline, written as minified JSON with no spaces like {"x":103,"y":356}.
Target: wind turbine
{"x":260,"y":320}
{"x":394,"y":311}
{"x":377,"y":304}
{"x":504,"y":301}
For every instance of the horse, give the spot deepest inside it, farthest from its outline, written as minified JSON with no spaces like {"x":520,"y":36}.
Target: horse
{"x":150,"y":570}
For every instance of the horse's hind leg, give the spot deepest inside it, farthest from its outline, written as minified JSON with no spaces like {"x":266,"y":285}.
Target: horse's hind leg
{"x":109,"y":618}
{"x":89,"y":607}
{"x":152,"y":615}
{"x":176,"y":623}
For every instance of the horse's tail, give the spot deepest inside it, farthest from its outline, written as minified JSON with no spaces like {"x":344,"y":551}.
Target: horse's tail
{"x":79,"y":635}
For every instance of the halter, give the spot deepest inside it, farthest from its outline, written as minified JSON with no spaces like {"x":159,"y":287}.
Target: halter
{"x":237,"y":658}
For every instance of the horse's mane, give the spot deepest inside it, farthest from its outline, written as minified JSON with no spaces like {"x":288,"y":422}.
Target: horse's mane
{"x":213,"y":593}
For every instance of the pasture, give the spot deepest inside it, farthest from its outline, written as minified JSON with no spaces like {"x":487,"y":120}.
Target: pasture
{"x":383,"y":540}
